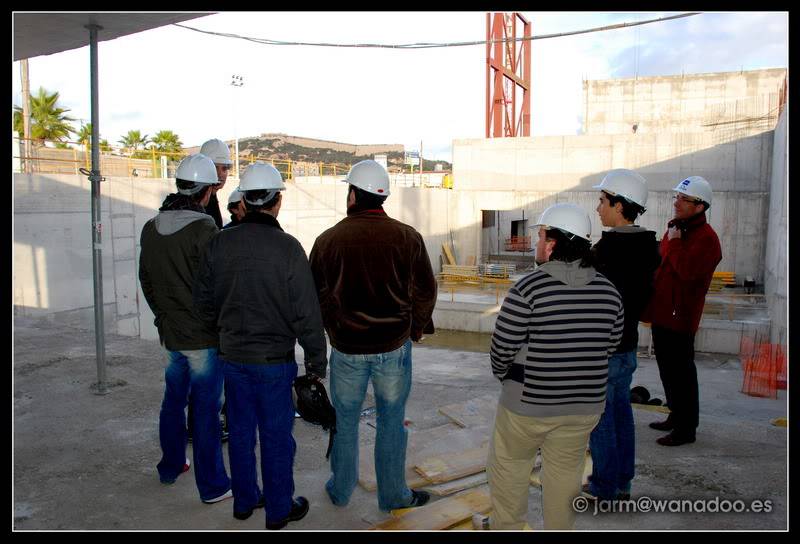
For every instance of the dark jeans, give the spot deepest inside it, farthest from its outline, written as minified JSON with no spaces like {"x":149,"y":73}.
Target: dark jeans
{"x":259,"y":396}
{"x":675,"y":358}
{"x":613,"y":441}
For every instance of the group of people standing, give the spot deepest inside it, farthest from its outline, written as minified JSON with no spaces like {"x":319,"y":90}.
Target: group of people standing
{"x":565,"y":342}
{"x":231,"y":302}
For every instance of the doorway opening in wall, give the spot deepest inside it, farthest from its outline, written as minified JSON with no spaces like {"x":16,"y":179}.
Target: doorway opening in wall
{"x":506,"y":239}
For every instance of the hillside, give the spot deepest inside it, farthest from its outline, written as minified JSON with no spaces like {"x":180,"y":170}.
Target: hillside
{"x":282,"y":146}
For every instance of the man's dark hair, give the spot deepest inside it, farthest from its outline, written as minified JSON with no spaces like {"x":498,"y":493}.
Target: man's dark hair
{"x":630,"y":210}
{"x":258,"y":195}
{"x":232,"y":205}
{"x":367,"y":200}
{"x":184,"y":184}
{"x":570,"y":249}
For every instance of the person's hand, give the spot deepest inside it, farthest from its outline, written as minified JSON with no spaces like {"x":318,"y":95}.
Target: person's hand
{"x":673,"y":232}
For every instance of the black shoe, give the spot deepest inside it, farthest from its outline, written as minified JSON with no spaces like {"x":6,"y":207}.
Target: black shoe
{"x":247,"y":513}
{"x":298,"y":512}
{"x":673,"y":439}
{"x":665,"y":425}
{"x":419,"y":498}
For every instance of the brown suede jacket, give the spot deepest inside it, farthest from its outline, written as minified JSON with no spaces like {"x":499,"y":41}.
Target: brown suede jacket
{"x":375,"y":283}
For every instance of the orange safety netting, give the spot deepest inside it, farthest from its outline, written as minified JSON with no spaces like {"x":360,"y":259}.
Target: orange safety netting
{"x":764,"y":368}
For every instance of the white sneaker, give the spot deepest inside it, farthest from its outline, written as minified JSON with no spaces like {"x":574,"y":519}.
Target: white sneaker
{"x":227,"y":495}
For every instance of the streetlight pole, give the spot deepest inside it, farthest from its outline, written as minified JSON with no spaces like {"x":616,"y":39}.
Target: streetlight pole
{"x":236,"y":81}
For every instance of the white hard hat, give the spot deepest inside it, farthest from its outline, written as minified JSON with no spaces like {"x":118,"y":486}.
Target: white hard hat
{"x":569,"y":218}
{"x":369,"y":176}
{"x":234,"y":197}
{"x":625,"y":183}
{"x":260,"y":176}
{"x":218,"y":151}
{"x":696,"y":187}
{"x":199,"y":169}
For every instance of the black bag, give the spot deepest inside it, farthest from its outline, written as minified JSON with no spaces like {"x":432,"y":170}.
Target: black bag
{"x":313,"y":406}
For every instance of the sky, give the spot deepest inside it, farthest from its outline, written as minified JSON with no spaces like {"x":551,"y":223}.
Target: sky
{"x":171,"y":78}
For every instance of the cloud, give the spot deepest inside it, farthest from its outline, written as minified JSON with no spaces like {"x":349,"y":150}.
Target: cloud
{"x":713,"y":42}
{"x":381,"y":96}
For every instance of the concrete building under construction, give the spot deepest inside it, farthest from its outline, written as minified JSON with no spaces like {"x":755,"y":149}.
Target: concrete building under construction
{"x":727,"y":127}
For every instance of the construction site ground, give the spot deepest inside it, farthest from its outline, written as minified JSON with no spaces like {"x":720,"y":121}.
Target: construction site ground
{"x":83,"y":461}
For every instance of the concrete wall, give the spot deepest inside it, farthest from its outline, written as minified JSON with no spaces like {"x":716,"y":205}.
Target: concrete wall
{"x":727,"y":104}
{"x":714,"y":335}
{"x":776,"y":267}
{"x":533,"y":173}
{"x":52,"y":270}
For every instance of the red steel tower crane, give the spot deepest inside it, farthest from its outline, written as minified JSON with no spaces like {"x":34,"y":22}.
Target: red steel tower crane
{"x":508,"y":67}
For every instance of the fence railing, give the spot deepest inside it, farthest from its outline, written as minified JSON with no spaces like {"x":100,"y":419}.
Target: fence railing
{"x":43,"y":157}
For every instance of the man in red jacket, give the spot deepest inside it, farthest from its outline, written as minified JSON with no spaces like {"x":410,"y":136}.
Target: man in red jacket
{"x":690,"y":251}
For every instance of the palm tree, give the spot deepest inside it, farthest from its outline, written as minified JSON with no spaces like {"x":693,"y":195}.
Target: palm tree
{"x":48,"y":120}
{"x":133,"y":140}
{"x":167,"y":142}
{"x":85,"y":135}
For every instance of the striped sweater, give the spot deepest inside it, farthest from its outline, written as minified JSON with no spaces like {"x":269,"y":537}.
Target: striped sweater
{"x":554,"y":333}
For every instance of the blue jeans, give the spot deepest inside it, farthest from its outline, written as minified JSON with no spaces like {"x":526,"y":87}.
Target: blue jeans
{"x":198,"y":372}
{"x":391,"y":382}
{"x":612,"y":442}
{"x":259,"y":396}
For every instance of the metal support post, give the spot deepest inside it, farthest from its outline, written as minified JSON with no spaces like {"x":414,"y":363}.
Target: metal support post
{"x":97,"y":251}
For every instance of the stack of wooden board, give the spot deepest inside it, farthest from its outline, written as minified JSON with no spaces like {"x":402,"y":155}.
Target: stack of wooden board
{"x":439,"y":515}
{"x":452,"y":272}
{"x":722,"y":279}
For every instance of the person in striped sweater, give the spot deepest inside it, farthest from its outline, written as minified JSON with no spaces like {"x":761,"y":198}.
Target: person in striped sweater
{"x":550,"y":347}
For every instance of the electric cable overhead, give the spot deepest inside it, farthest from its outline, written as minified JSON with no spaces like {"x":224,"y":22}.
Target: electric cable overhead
{"x":427,"y":45}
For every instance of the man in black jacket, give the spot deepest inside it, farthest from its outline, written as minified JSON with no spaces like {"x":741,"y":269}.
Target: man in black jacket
{"x":172,"y":244}
{"x":628,"y":256}
{"x":377,"y":292}
{"x":255,"y":288}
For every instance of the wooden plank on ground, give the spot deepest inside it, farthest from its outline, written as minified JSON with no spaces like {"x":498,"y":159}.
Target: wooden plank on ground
{"x":441,"y":514}
{"x":454,"y":465}
{"x":454,"y":486}
{"x":479,"y":411}
{"x":422,"y":444}
{"x":650,"y":408}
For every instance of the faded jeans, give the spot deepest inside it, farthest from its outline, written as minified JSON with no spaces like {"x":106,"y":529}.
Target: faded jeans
{"x":391,"y":382}
{"x":198,"y":372}
{"x":613,"y":441}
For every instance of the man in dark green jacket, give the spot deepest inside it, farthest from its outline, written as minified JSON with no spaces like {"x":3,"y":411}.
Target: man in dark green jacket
{"x":172,"y":244}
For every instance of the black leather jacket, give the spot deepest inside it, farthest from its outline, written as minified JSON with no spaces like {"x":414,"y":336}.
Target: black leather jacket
{"x":255,"y":286}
